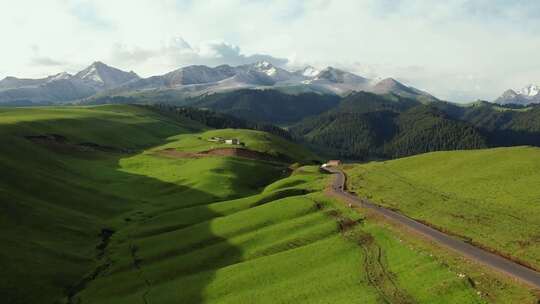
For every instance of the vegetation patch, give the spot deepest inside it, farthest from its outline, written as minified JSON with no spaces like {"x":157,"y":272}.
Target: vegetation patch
{"x":488,"y":197}
{"x":215,"y":229}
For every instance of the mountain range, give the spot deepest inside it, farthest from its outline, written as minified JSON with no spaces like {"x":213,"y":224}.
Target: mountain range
{"x":100,"y":80}
{"x":527,"y":95}
{"x":63,"y":87}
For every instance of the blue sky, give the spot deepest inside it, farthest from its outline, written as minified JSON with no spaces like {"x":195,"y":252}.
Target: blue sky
{"x":459,"y":50}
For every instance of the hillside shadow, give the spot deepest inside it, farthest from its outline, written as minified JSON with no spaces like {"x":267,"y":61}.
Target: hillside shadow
{"x":158,"y":249}
{"x":510,"y":138}
{"x":72,"y":222}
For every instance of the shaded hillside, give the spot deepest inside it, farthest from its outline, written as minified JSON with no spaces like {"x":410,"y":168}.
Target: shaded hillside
{"x":96,"y":180}
{"x":501,"y":125}
{"x":268,"y":106}
{"x":348,"y":135}
{"x":363,"y":102}
{"x":387,"y":133}
{"x":425,"y":129}
{"x":216,"y":120}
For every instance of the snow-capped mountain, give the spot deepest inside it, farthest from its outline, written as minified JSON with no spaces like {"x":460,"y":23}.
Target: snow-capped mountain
{"x":266,"y":68}
{"x":63,"y":86}
{"x":334,"y":80}
{"x":16,"y":83}
{"x":527,"y":95}
{"x":202,"y":79}
{"x":530,"y":90}
{"x":194,"y":80}
{"x":101,"y":76}
{"x":309,"y":72}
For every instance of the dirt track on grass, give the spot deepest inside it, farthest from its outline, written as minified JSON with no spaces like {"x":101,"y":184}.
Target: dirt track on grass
{"x":374,"y":265}
{"x":494,"y":261}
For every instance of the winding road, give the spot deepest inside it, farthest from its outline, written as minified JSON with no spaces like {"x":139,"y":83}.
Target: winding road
{"x":496,"y":262}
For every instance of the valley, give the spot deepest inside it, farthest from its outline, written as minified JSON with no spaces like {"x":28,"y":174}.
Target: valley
{"x":269,"y":152}
{"x":105,"y":217}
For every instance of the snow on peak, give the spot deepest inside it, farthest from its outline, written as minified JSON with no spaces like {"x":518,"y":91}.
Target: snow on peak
{"x":530,"y":90}
{"x":100,"y":76}
{"x":266,"y":68}
{"x":263,"y":65}
{"x":91,"y":73}
{"x":310,"y":71}
{"x":60,"y":76}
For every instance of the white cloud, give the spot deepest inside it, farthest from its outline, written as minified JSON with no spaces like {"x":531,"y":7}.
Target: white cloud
{"x":178,"y":53}
{"x":434,"y":45}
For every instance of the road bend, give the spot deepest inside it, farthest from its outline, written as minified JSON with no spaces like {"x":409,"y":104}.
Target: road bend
{"x":494,"y":261}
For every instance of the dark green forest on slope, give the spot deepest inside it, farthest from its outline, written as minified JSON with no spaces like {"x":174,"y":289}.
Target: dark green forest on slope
{"x":363,"y":125}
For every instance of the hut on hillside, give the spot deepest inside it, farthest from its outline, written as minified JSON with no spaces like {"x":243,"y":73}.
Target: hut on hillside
{"x":333,"y":163}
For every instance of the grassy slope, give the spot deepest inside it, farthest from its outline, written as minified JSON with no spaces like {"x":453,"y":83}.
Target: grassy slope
{"x":55,"y":203}
{"x":254,"y":140}
{"x":188,"y":230}
{"x":275,"y":246}
{"x":489,"y":196}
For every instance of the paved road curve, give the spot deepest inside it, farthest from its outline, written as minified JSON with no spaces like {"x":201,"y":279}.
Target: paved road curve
{"x":494,"y":261}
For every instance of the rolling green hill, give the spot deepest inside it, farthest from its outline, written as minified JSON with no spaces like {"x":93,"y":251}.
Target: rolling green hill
{"x":489,"y":197}
{"x":120,"y":204}
{"x":63,"y":184}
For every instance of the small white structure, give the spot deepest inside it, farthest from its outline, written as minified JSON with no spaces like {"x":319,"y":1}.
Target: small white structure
{"x":331,"y":163}
{"x":233,"y":141}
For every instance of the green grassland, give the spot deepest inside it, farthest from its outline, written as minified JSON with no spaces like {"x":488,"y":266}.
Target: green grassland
{"x":490,"y":197}
{"x":128,"y":225}
{"x":253,"y":140}
{"x":281,"y":245}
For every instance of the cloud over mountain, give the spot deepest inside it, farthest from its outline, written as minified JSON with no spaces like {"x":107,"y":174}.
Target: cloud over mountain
{"x":467,"y":48}
{"x":178,"y":52}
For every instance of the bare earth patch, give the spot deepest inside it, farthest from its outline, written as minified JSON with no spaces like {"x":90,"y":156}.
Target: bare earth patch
{"x":233,"y":152}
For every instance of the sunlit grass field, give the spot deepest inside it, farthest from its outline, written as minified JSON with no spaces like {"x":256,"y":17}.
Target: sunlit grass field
{"x":490,"y":197}
{"x":253,"y":140}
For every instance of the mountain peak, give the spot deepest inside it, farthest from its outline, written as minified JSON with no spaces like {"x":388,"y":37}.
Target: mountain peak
{"x":99,"y":63}
{"x":531,"y":90}
{"x":100,"y":75}
{"x":527,"y":95}
{"x":391,"y":85}
{"x":339,"y":76}
{"x":309,"y":71}
{"x":268,"y":69}
{"x":263,"y":64}
{"x":509,"y":93}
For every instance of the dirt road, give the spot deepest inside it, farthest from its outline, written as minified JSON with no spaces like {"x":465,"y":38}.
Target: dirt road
{"x":479,"y":255}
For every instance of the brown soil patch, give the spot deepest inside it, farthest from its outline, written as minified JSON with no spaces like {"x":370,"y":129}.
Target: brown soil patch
{"x":231,"y":152}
